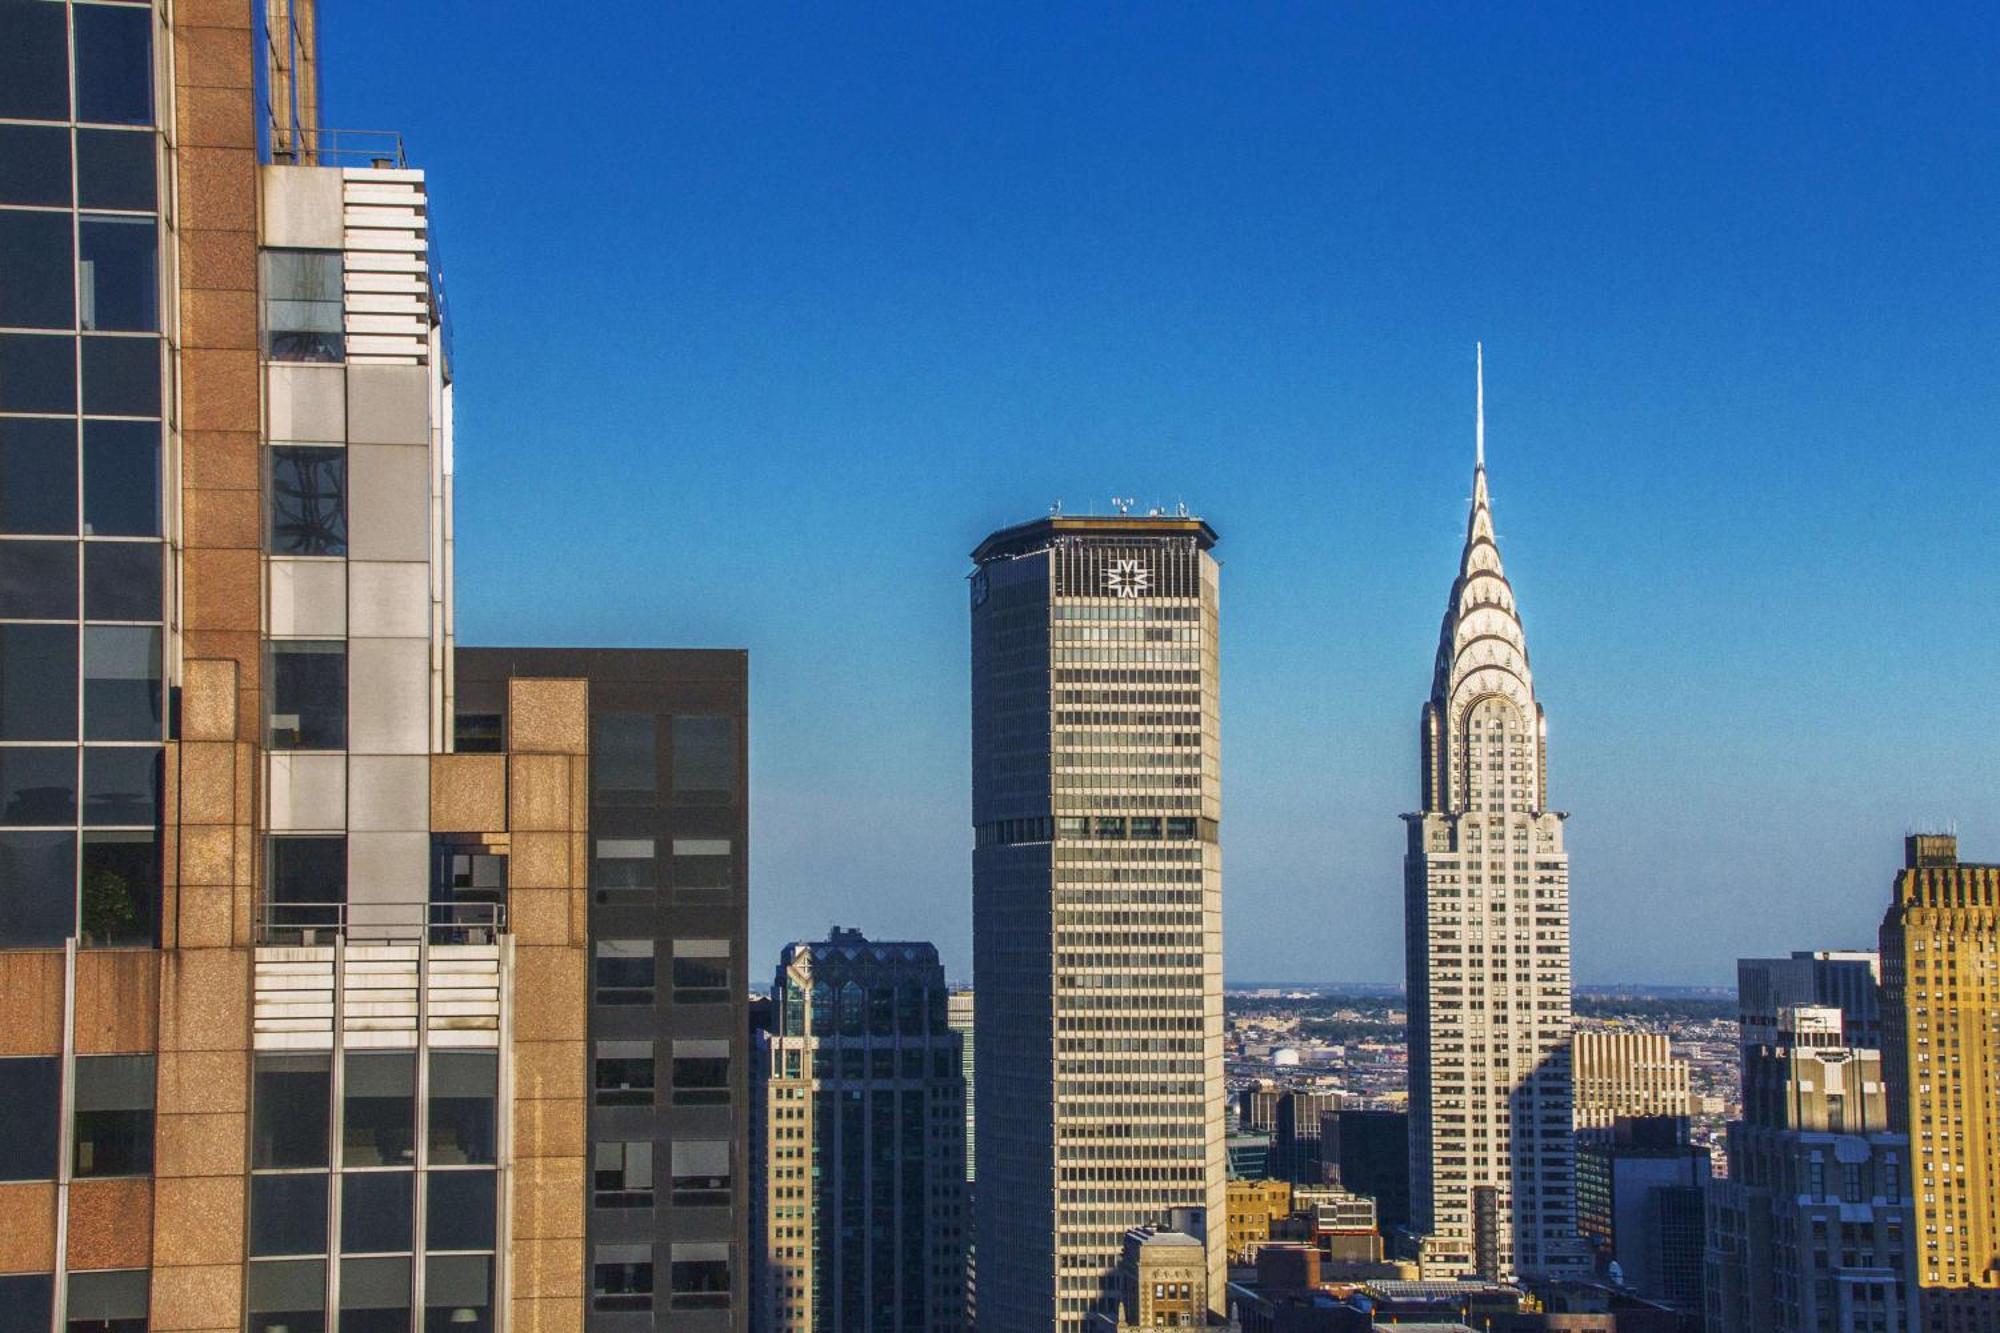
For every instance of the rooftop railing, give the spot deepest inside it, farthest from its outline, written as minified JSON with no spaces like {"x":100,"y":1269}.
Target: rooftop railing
{"x":312,"y":924}
{"x":338,"y":148}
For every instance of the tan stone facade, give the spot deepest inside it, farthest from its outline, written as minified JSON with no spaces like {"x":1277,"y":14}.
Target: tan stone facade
{"x":223,"y":998}
{"x":1941,"y":989}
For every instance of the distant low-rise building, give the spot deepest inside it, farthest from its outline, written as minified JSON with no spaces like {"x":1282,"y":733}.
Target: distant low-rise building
{"x":1640,"y":1189}
{"x":1253,"y":1206}
{"x":1625,"y":1075}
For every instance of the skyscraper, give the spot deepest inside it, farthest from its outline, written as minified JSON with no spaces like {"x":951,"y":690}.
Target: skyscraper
{"x":1845,"y":979}
{"x":1626,"y":1075}
{"x":668,"y":931}
{"x":861,"y":1219}
{"x":1941,"y":994}
{"x":962,"y":1009}
{"x":1486,"y":935}
{"x":1813,"y":1230}
{"x":1097,"y":906}
{"x":290,"y":1001}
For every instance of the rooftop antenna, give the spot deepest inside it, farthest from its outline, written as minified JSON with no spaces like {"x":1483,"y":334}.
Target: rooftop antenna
{"x":1122,"y":503}
{"x":1055,"y":510}
{"x":1479,"y":446}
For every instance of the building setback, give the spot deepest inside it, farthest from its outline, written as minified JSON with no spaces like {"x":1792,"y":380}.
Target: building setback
{"x":1941,"y":993}
{"x":861,"y":1219}
{"x":1813,"y":1229}
{"x":668,"y":865}
{"x":1486,"y":935}
{"x":290,"y":995}
{"x":1097,"y":906}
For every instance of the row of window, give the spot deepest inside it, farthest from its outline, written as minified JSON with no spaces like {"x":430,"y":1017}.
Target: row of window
{"x":114,"y":493}
{"x":39,"y":374}
{"x":625,"y":1073}
{"x":87,"y":62}
{"x":98,"y":273}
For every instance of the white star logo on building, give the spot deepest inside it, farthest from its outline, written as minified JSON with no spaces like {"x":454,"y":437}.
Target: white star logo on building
{"x":1127,"y":578}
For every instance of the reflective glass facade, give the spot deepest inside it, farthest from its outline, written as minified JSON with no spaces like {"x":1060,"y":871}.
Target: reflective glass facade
{"x":83,"y":430}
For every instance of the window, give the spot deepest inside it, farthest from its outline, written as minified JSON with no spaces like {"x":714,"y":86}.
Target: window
{"x":114,"y":65}
{"x":291,"y":1106}
{"x":38,"y":580}
{"x":377,"y":1209}
{"x":121,"y":785}
{"x":37,"y":682}
{"x":121,"y":376}
{"x":37,"y":271}
{"x":305,"y":881}
{"x":121,"y":479}
{"x":479,"y":733}
{"x":37,"y":785}
{"x":704,"y":758}
{"x":30,"y":1100}
{"x":121,"y":890}
{"x":704,"y":871}
{"x":121,"y":683}
{"x":290,"y":1296}
{"x":117,"y":278}
{"x":109,"y":1302}
{"x":460,"y":1212}
{"x":458,"y":1293}
{"x":623,"y":870}
{"x":375,"y":1295}
{"x":34,"y":165}
{"x":308,"y":500}
{"x":34,"y":64}
{"x":700,"y":1276}
{"x":26,"y":1299}
{"x":464,"y":1090}
{"x":380,"y":1109}
{"x":116,"y":169}
{"x":701,"y":1172}
{"x":37,"y":372}
{"x":622,"y":753}
{"x":37,"y":889}
{"x":624,"y":971}
{"x":701,"y":971}
{"x":308,"y":695}
{"x":302,"y":305}
{"x":114,"y":1115}
{"x":622,"y":1175}
{"x":121,"y":580}
{"x":701,"y":1073}
{"x":37,"y":474}
{"x":624,"y":1073}
{"x":288,"y":1214}
{"x":621,"y":1277}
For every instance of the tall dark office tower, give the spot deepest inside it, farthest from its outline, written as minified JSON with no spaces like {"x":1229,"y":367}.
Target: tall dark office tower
{"x":1097,"y":906}
{"x":1486,"y":934}
{"x":860,"y":1211}
{"x":1295,"y":1135}
{"x":282,"y":1043}
{"x":1941,"y":1011}
{"x":1845,"y":979}
{"x":1368,"y":1152}
{"x":669,"y":853}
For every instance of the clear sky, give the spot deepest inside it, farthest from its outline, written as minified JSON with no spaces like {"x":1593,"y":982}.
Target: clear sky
{"x":766,"y":314}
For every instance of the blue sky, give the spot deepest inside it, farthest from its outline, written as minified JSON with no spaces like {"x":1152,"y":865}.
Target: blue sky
{"x":765,"y":315}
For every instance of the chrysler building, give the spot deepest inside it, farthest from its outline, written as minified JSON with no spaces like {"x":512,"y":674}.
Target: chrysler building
{"x":1486,"y":938}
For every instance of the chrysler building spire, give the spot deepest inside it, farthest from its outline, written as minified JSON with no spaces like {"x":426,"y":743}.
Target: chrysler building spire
{"x":1479,"y":447}
{"x":1486,"y":912}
